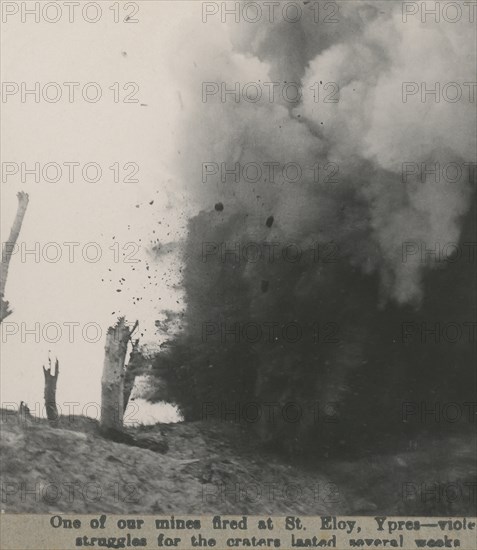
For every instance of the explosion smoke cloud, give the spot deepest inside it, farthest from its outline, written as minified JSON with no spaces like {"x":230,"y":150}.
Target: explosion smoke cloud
{"x":370,"y":52}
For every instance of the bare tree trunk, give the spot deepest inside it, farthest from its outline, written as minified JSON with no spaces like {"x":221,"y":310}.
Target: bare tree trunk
{"x":8,"y":251}
{"x":112,"y":381}
{"x":50,"y":391}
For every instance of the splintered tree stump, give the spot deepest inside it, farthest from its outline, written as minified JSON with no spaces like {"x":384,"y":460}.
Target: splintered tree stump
{"x":130,"y":372}
{"x":112,"y":381}
{"x":8,"y":250}
{"x":24,"y":412}
{"x":50,"y":391}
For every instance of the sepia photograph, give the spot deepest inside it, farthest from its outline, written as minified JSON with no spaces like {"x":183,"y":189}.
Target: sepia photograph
{"x":238,"y":274}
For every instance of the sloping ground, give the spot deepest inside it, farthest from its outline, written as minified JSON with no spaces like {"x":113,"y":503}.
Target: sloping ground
{"x":209,"y":468}
{"x":70,"y":468}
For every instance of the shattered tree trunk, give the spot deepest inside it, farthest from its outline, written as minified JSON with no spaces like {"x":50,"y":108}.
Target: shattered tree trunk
{"x":129,"y":380}
{"x":130,"y":373}
{"x":8,"y":251}
{"x":50,"y":391}
{"x":112,"y":381}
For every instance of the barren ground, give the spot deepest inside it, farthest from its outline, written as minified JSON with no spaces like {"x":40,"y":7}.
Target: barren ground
{"x":219,"y":468}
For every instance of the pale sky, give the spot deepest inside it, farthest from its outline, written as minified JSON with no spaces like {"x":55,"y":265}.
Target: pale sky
{"x":104,"y":212}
